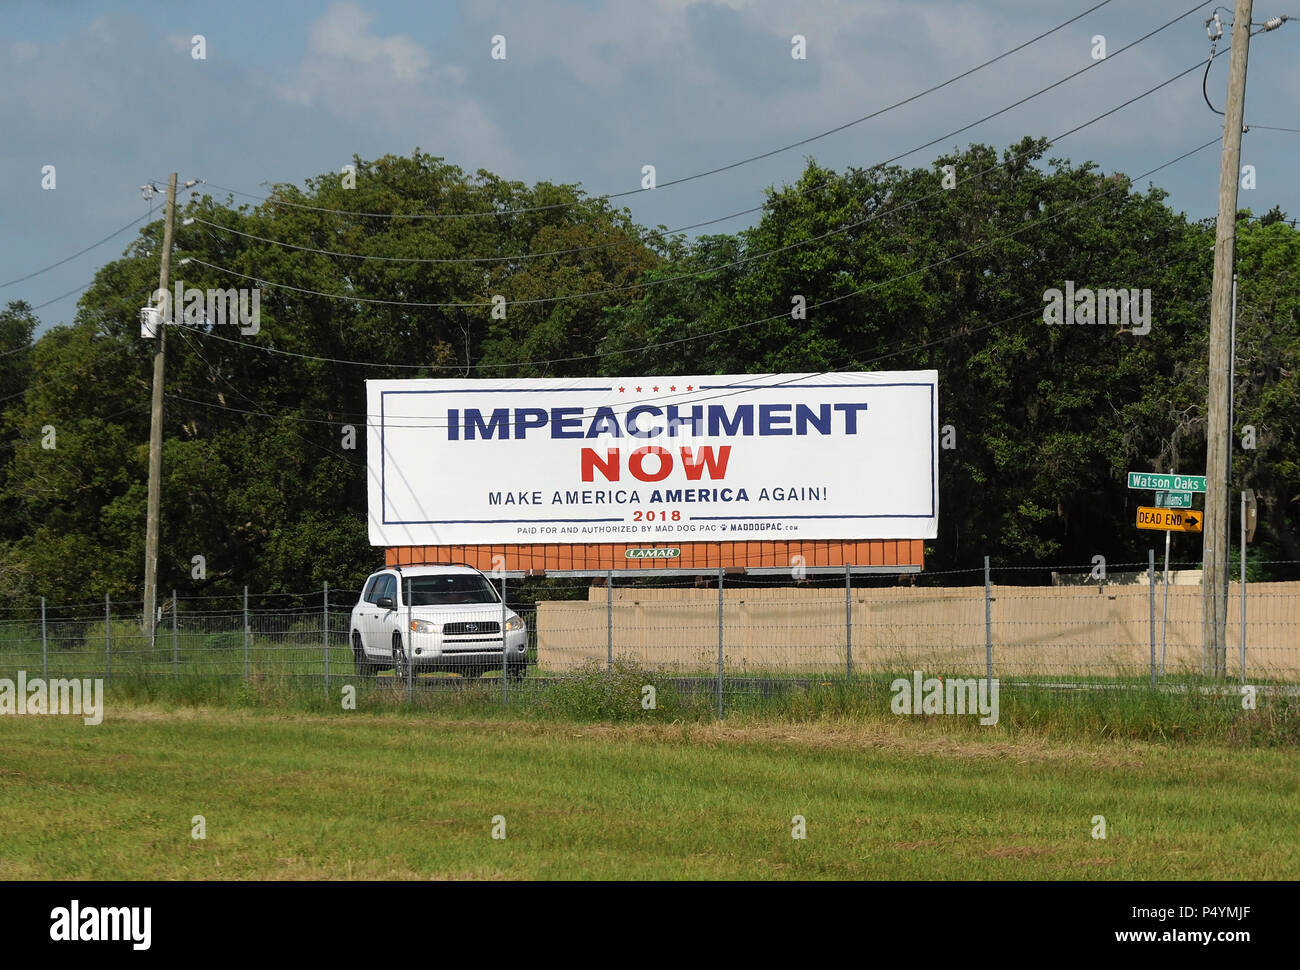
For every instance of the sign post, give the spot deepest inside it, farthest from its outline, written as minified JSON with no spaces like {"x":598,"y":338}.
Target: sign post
{"x":1242,"y":592}
{"x":1172,"y":492}
{"x":1248,"y":517}
{"x":1164,"y":610}
{"x":1170,"y":520}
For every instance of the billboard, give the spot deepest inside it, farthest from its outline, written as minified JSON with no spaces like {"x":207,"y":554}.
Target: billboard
{"x":641,"y":460}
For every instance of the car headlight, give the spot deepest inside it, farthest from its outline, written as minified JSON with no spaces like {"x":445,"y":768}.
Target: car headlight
{"x":514,"y":623}
{"x":423,"y":626}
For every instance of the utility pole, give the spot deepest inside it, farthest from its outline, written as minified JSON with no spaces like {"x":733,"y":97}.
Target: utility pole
{"x":155,"y":425}
{"x":1214,"y":604}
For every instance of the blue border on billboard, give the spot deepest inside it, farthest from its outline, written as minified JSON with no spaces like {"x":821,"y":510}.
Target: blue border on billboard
{"x":383,"y":455}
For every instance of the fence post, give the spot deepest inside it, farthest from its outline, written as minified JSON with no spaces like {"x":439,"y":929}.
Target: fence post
{"x":176,"y":644}
{"x":245,"y":633}
{"x":720,"y":571}
{"x":505,"y":653}
{"x":408,"y":644}
{"x":1243,"y":586}
{"x":45,"y":659}
{"x":1151,"y":609}
{"x":609,"y":618}
{"x":325,"y":633}
{"x":108,"y":641}
{"x":848,"y":623}
{"x":988,"y":622}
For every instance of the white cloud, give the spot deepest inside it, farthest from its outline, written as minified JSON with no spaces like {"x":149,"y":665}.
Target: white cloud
{"x":343,"y":34}
{"x":388,"y":92}
{"x":23,"y":51}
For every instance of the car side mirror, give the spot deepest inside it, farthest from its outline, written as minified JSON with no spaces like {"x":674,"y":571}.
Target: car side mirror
{"x":385,"y":601}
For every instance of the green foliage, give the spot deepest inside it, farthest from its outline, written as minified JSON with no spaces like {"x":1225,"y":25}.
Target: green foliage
{"x":256,"y":477}
{"x":896,"y":271}
{"x":225,"y":640}
{"x":598,"y":692}
{"x":127,"y":644}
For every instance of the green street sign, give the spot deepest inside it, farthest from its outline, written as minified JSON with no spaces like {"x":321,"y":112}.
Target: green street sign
{"x":1177,"y":483}
{"x":1174,"y":500}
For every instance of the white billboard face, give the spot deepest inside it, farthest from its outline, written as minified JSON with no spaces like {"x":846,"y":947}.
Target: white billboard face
{"x":657,"y":459}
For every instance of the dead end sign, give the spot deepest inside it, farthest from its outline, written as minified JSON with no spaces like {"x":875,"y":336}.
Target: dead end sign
{"x":1169,"y":520}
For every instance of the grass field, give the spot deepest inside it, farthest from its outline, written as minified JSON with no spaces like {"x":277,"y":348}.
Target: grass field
{"x":410,"y":794}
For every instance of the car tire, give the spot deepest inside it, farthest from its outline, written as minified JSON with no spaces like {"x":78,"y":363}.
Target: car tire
{"x":362,"y":666}
{"x":401,"y":665}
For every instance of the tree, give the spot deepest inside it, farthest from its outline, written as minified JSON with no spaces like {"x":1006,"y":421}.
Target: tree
{"x":256,"y":475}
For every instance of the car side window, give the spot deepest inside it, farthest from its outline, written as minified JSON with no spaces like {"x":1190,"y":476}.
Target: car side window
{"x":388,"y":587}
{"x":371,"y":594}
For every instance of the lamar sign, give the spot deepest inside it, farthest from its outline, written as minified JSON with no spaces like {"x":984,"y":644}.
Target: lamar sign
{"x":849,"y":456}
{"x":653,"y":553}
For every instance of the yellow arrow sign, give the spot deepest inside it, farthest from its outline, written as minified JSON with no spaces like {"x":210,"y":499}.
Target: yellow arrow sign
{"x":1170,"y":520}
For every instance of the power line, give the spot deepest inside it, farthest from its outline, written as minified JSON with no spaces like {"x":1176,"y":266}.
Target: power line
{"x":858,"y":364}
{"x":77,"y":289}
{"x":652,"y":346}
{"x":1217,"y":29}
{"x":1074,"y":207}
{"x":215,"y":373}
{"x":1033,"y":311}
{"x":456,"y":260}
{"x":115,"y":349}
{"x":745,"y":161}
{"x":696,"y":273}
{"x":693,"y":274}
{"x":68,"y":259}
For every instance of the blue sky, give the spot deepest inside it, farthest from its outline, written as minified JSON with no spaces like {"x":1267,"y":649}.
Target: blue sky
{"x":589,"y":92}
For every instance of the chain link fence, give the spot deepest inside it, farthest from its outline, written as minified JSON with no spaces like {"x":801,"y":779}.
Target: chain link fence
{"x":720,"y":637}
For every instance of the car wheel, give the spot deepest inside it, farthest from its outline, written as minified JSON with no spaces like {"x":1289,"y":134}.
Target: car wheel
{"x":400,"y":666}
{"x":360,"y":664}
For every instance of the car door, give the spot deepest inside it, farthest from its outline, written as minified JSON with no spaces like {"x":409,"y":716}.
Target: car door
{"x":368,"y":614}
{"x":383,"y":619}
{"x":361,"y":612}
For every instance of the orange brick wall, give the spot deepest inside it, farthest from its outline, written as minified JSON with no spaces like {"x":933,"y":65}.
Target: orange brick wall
{"x":600,"y":557}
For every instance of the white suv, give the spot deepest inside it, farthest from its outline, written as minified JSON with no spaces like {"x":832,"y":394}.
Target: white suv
{"x":435,"y":618}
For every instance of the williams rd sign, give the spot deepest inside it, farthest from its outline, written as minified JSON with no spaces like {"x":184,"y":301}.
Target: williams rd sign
{"x":1174,"y":500}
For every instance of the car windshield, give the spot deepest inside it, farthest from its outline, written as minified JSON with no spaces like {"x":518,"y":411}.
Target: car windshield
{"x":448,"y":588}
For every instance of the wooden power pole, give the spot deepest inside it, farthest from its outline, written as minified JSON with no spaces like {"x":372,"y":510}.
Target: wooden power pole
{"x":152,"y":526}
{"x":1214,"y":606}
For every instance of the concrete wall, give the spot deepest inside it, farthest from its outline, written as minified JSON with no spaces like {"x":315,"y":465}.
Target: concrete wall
{"x":1058,"y":631}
